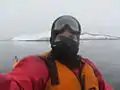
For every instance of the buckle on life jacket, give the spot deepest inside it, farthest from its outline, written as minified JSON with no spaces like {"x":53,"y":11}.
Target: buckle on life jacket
{"x":93,"y":88}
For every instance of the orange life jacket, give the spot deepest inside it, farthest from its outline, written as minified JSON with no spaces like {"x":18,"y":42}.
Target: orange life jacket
{"x":69,"y":81}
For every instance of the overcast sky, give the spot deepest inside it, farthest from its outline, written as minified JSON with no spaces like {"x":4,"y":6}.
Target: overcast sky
{"x":35,"y":16}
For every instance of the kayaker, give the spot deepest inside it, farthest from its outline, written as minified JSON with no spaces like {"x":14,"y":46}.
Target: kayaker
{"x":58,"y":69}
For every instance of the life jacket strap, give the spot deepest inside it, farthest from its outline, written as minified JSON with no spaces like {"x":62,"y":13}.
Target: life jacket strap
{"x":52,"y":68}
{"x":82,"y":78}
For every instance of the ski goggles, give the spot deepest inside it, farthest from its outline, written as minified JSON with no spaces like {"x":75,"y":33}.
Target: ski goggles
{"x":60,"y":24}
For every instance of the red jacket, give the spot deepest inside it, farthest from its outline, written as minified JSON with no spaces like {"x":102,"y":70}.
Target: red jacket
{"x":29,"y":74}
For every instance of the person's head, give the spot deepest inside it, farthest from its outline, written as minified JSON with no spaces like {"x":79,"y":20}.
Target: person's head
{"x":65,"y":36}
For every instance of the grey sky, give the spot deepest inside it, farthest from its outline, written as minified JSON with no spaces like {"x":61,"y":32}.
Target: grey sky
{"x":36,"y":16}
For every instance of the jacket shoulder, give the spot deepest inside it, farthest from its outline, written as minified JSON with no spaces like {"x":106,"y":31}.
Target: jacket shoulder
{"x":32,"y":66}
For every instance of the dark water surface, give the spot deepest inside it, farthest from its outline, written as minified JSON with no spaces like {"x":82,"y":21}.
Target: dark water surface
{"x":104,"y":53}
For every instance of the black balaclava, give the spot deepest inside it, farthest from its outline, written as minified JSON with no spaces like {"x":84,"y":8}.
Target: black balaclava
{"x":65,"y":49}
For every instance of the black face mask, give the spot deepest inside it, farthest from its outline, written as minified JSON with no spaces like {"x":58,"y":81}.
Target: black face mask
{"x":65,"y":48}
